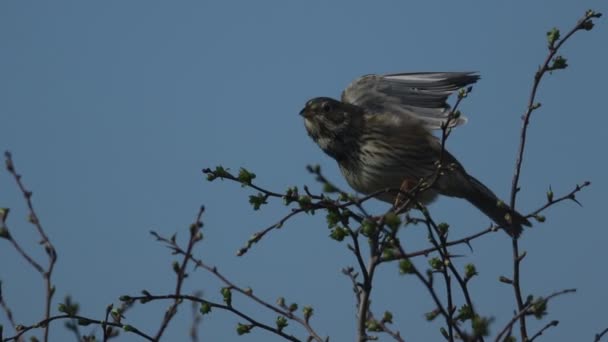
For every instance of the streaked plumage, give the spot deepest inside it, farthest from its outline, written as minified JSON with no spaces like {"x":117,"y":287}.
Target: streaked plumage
{"x":380,"y":133}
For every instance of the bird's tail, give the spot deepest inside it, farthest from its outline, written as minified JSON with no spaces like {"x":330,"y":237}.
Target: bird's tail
{"x":485,"y":200}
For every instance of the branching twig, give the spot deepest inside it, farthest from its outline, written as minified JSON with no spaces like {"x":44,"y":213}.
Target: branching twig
{"x":81,"y":319}
{"x":45,"y":242}
{"x":526,"y":311}
{"x":552,"y":62}
{"x":230,"y":285}
{"x":195,"y":236}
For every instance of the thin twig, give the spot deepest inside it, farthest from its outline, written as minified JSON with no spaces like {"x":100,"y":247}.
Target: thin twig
{"x":45,"y":242}
{"x":47,"y":321}
{"x":554,"y":46}
{"x":526,"y":311}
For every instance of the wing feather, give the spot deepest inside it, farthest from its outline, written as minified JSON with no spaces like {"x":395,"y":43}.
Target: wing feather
{"x":421,"y":95}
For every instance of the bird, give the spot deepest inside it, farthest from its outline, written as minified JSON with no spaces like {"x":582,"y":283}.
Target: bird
{"x":380,"y":133}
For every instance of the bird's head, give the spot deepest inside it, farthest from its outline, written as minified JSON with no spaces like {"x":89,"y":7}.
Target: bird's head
{"x":332,"y":124}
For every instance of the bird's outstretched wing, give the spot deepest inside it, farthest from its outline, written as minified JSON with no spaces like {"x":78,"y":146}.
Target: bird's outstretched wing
{"x":419,"y":95}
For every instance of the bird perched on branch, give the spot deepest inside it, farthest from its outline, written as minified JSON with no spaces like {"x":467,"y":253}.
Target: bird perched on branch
{"x":380,"y":133}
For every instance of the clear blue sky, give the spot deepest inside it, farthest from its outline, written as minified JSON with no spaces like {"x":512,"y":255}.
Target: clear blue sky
{"x":112,"y":108}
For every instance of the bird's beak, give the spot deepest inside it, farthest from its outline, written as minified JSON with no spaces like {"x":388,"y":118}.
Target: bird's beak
{"x":305,"y":113}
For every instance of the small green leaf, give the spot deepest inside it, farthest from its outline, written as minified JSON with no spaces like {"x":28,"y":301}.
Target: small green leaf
{"x":257,"y":200}
{"x":245,"y":177}
{"x":559,"y":63}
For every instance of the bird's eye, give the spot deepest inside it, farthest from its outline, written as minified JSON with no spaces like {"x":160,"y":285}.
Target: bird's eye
{"x":326,"y":107}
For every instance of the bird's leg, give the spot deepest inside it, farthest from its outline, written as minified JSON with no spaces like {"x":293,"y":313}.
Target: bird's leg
{"x":406,"y":186}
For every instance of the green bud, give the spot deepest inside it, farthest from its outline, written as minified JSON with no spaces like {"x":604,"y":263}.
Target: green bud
{"x":464,"y":313}
{"x":205,"y":308}
{"x":443,"y":228}
{"x":281,"y":323}
{"x":505,"y":280}
{"x":245,"y":177}
{"x":553,"y":36}
{"x":469,"y":271}
{"x":539,"y":308}
{"x":257,"y":200}
{"x":304,"y":202}
{"x":338,"y":233}
{"x":387,"y":317}
{"x":329,"y":188}
{"x":540,"y":218}
{"x":406,"y":267}
{"x":372,"y":325}
{"x":436,"y":264}
{"x":4,"y":214}
{"x":389,"y":253}
{"x":281,"y":302}
{"x":227,"y":295}
{"x":4,"y":233}
{"x":307,"y":311}
{"x":291,"y":195}
{"x":84,"y":322}
{"x":432,"y":315}
{"x":333,"y":217}
{"x":243,"y":329}
{"x":444,"y":333}
{"x":559,"y":62}
{"x":481,"y":326}
{"x":125,"y":298}
{"x":128,"y":328}
{"x":368,"y":227}
{"x":550,"y":195}
{"x":293,"y":307}
{"x":221,"y":172}
{"x":392,"y":220}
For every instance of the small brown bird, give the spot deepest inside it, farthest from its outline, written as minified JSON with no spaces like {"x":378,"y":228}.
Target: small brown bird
{"x":380,"y":133}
